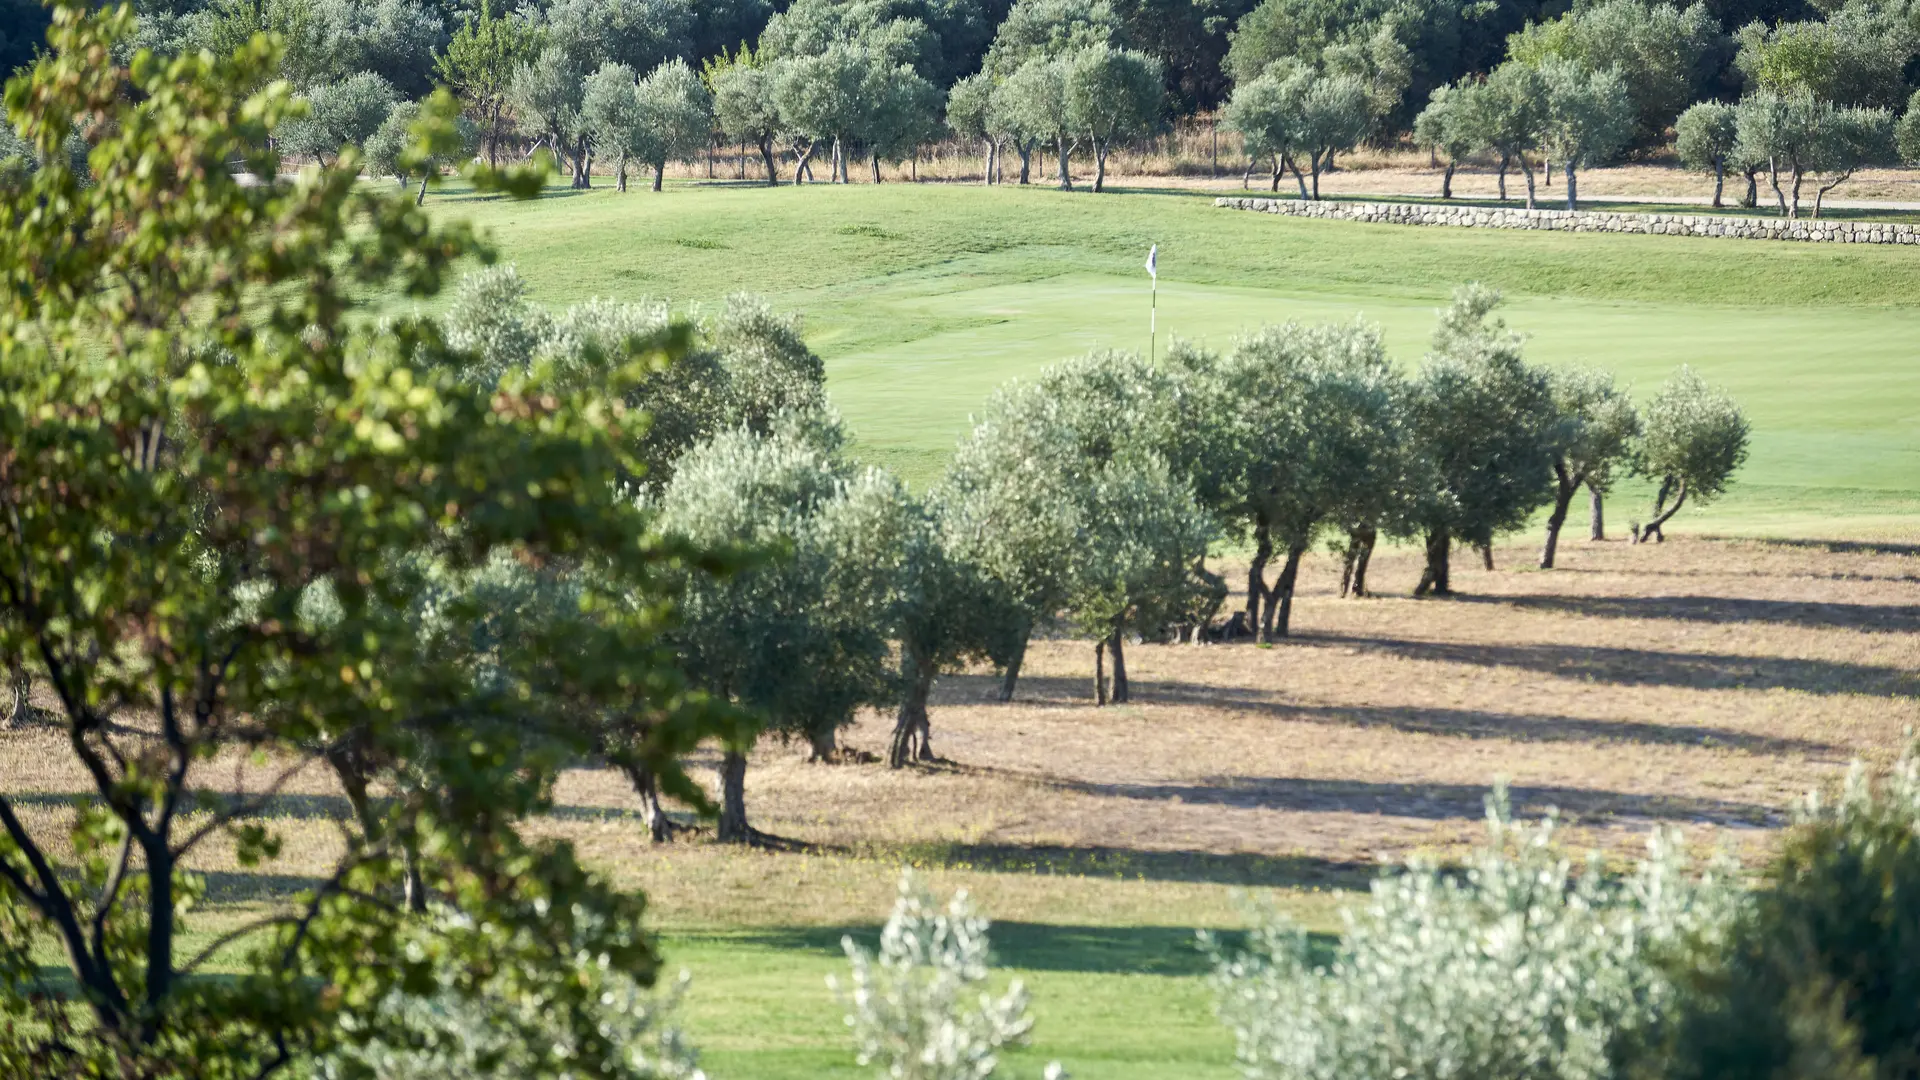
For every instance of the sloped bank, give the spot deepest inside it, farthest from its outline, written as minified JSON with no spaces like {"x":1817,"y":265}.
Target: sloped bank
{"x":1596,"y":221}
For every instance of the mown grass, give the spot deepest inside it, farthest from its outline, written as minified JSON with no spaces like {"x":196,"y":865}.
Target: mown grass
{"x":923,"y":298}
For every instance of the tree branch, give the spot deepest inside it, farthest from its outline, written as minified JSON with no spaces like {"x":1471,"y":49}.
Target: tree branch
{"x":57,"y":907}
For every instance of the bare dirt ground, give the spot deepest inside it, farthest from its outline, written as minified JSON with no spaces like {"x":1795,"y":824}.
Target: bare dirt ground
{"x":1706,"y":684}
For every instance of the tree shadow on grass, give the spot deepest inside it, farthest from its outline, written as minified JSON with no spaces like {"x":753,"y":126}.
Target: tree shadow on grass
{"x":1436,"y":802}
{"x":1877,"y":618}
{"x":1029,"y":946}
{"x":1423,"y":720}
{"x":1647,"y":667}
{"x":1832,"y":547}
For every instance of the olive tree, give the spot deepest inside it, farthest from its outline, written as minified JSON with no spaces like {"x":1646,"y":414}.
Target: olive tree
{"x":1504,"y":115}
{"x":1442,"y":129}
{"x":546,"y":97}
{"x":1035,"y":97}
{"x":1706,"y":137}
{"x":1586,"y":118}
{"x":821,"y":99}
{"x":1695,"y":440}
{"x":744,"y":106}
{"x":903,"y":113}
{"x":1801,"y":136}
{"x":1314,"y":426}
{"x":1483,"y":418}
{"x":1595,"y":428}
{"x":196,"y":395}
{"x":676,"y":116}
{"x":1907,"y":132}
{"x":796,"y":638}
{"x":971,"y":115}
{"x":341,"y":114}
{"x":1266,"y":112}
{"x":1112,"y":95}
{"x":1856,"y":56}
{"x":610,"y":110}
{"x":393,"y":150}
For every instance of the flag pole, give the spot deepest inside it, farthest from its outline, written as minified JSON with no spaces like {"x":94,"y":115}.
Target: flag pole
{"x":1153,"y":305}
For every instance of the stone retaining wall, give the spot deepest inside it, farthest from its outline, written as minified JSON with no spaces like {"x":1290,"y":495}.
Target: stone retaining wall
{"x":1469,"y":216}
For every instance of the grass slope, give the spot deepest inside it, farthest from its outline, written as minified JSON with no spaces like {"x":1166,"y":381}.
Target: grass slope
{"x":924,"y":298}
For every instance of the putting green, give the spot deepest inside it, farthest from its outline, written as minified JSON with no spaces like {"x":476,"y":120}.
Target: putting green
{"x":925,"y":298}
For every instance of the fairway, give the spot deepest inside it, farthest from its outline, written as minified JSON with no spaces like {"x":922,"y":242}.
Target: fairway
{"x":923,"y":298}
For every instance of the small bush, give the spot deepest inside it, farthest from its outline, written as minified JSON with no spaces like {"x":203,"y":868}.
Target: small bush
{"x":1520,"y":968}
{"x":1820,"y":976}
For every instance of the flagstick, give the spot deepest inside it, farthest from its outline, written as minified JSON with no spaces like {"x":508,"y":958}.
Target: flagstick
{"x":1153,"y":321}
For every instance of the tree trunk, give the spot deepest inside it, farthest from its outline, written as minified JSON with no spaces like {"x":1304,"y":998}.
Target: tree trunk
{"x":800,"y":162}
{"x":1446,"y":181}
{"x":1279,"y":171}
{"x":1527,"y":171}
{"x":876,"y":168}
{"x":1434,"y":578}
{"x":1751,"y":200}
{"x":1314,"y":163}
{"x":1505,"y":158}
{"x":1066,"y":171}
{"x":1012,"y":674}
{"x":733,"y":799}
{"x":1773,"y":180}
{"x":1655,"y":529}
{"x":1257,"y":573}
{"x":1117,"y":645}
{"x":1100,"y":672}
{"x":1364,"y":537}
{"x":821,"y":743}
{"x":912,"y":732}
{"x":833,"y":163}
{"x":1719,"y":180}
{"x":1246,"y":178}
{"x":1026,"y":160}
{"x":420,"y":199}
{"x":1486,"y":556}
{"x":766,"y":158}
{"x":1283,"y":590}
{"x":1099,"y":167}
{"x":1596,"y":514}
{"x":20,"y":709}
{"x":1799,"y":177}
{"x":992,"y":151}
{"x":620,"y":173}
{"x":1573,"y":187}
{"x":652,"y":815}
{"x":659,"y":175}
{"x":1297,"y":178}
{"x":1564,"y":489}
{"x":1820,"y":193}
{"x":711,"y":145}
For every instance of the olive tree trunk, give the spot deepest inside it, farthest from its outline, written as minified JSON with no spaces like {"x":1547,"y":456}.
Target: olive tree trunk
{"x":1353,"y":575}
{"x":766,"y":158}
{"x":1025,"y":149}
{"x":800,"y":161}
{"x":1117,"y":645}
{"x":1565,"y":486}
{"x":1066,"y":156}
{"x":1100,"y":672}
{"x":1434,"y":578}
{"x":1011,"y":677}
{"x":1486,"y":555}
{"x":1596,"y":514}
{"x":1446,"y":181}
{"x":20,"y":709}
{"x":1662,"y":513}
{"x":1573,"y":186}
{"x":733,"y":799}
{"x":1257,"y":573}
{"x":659,"y":174}
{"x":1099,"y":165}
{"x":620,"y":174}
{"x":652,"y":815}
{"x":1505,"y":160}
{"x":912,"y":732}
{"x":1283,"y":596}
{"x":1719,"y":180}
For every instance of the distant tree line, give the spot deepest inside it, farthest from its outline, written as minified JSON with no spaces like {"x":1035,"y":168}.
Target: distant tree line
{"x":1818,"y":90}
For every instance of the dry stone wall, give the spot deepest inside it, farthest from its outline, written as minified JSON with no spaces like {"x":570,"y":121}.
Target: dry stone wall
{"x":1469,"y":216}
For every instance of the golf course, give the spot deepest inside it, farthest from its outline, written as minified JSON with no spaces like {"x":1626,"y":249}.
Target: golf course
{"x":923,"y":298}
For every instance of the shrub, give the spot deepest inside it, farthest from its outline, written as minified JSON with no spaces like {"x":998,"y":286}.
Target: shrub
{"x":909,"y":1006}
{"x":1517,"y":968}
{"x":1821,"y":972}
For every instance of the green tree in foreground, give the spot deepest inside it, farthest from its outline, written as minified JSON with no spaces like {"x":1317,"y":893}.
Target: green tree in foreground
{"x":1595,"y":429}
{"x":1483,"y":420}
{"x":1696,"y":439}
{"x":1519,"y":966}
{"x":204,"y":444}
{"x":1818,"y":975}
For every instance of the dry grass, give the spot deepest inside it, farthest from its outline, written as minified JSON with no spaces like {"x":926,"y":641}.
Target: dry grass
{"x":1701,"y":683}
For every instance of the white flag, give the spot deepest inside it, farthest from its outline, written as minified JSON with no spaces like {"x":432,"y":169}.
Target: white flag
{"x":1153,"y":261}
